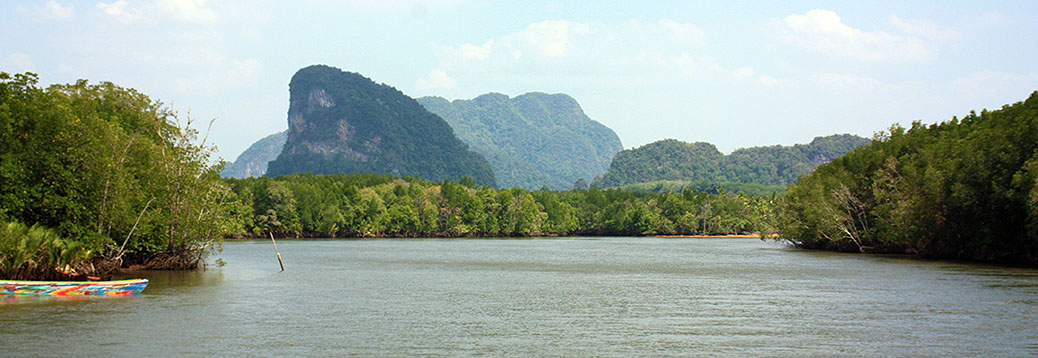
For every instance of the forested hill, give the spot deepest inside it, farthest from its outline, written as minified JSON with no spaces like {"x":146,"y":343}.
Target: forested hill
{"x":342,"y":122}
{"x":253,"y":161}
{"x":533,"y":140}
{"x":961,"y":189}
{"x":671,"y":159}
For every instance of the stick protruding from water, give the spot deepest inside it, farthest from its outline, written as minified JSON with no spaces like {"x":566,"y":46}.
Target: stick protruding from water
{"x":276,"y":250}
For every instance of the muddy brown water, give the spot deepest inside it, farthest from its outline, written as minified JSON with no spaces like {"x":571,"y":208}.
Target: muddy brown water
{"x":613,"y":297}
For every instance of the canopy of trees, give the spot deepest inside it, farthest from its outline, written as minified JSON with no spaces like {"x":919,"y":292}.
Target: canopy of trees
{"x":961,"y":189}
{"x":342,"y":122}
{"x":675,"y":160}
{"x":532,"y":140}
{"x":677,"y":186}
{"x":373,"y":205}
{"x":102,"y":175}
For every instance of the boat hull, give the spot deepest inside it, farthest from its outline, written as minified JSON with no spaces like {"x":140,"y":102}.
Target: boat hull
{"x":68,"y":288}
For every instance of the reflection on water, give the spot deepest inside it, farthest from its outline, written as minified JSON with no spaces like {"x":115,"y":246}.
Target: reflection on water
{"x":158,"y":282}
{"x":43,"y":300}
{"x":555,"y":297}
{"x":165,"y":280}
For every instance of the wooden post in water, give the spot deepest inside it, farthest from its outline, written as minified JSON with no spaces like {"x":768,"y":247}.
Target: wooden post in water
{"x":276,"y":250}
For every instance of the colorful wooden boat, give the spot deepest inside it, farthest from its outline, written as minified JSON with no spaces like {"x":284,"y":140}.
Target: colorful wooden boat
{"x":71,"y":288}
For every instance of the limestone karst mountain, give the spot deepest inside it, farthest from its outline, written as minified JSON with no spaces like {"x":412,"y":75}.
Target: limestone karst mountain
{"x":342,"y":122}
{"x":253,"y":161}
{"x":532,"y":140}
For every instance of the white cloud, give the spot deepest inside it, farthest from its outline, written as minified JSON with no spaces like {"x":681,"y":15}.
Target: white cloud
{"x":470,"y":51}
{"x":924,"y":29}
{"x":743,"y":73}
{"x":196,"y":11}
{"x":552,"y":38}
{"x":846,"y":82}
{"x":247,"y":70}
{"x":768,"y":81}
{"x":54,"y":10}
{"x":119,"y":10}
{"x":22,"y":62}
{"x":225,"y":76}
{"x":540,"y":41}
{"x":984,"y":84}
{"x":556,"y":40}
{"x":684,"y":63}
{"x":683,"y":32}
{"x":644,"y":56}
{"x":747,"y":77}
{"x":65,"y":69}
{"x":437,"y":79}
{"x":414,"y":8}
{"x":49,"y":11}
{"x":823,"y":31}
{"x":993,"y":18}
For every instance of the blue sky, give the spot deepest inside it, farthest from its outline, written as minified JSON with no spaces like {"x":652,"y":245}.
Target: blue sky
{"x":735,"y":74}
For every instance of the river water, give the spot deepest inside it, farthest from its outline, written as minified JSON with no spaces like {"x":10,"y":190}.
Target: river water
{"x":612,"y":297}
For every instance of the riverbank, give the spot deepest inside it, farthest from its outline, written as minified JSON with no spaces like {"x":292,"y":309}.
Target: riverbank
{"x":482,"y":236}
{"x":711,"y":236}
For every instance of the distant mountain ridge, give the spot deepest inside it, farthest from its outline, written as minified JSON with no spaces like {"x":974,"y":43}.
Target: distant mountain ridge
{"x":253,"y":161}
{"x":532,"y":140}
{"x":674,"y":160}
{"x":343,"y":122}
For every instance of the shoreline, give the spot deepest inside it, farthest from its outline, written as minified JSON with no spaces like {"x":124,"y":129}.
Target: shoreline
{"x":708,"y":236}
{"x":390,"y":237}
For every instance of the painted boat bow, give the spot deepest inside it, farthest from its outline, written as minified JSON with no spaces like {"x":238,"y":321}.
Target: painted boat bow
{"x":69,"y":288}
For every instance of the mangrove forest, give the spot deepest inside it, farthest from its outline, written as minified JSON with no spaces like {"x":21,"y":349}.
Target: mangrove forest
{"x":94,"y":177}
{"x":960,"y":189}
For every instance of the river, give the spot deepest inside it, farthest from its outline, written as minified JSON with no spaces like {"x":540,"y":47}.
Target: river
{"x":611,"y":297}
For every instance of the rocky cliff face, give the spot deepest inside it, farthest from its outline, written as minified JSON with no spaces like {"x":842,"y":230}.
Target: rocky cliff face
{"x":253,"y":161}
{"x":342,"y":122}
{"x":533,"y":140}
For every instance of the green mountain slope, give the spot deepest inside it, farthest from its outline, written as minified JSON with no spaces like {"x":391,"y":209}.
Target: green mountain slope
{"x":533,"y":140}
{"x":253,"y":161}
{"x":342,"y":122}
{"x":674,"y":160}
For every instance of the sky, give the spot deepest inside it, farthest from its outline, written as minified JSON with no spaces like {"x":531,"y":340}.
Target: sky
{"x":735,"y":74}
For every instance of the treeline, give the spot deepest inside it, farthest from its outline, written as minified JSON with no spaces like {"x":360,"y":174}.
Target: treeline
{"x":962,"y":189}
{"x":374,"y":205}
{"x":677,"y":186}
{"x":95,"y":177}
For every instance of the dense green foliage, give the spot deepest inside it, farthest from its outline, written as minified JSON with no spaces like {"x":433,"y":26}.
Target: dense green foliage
{"x":108,"y":170}
{"x":373,"y":205}
{"x":342,"y":122}
{"x":677,"y":186}
{"x":35,"y":252}
{"x":675,"y":160}
{"x":533,"y":140}
{"x":668,"y":159}
{"x":253,"y":161}
{"x":961,"y":189}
